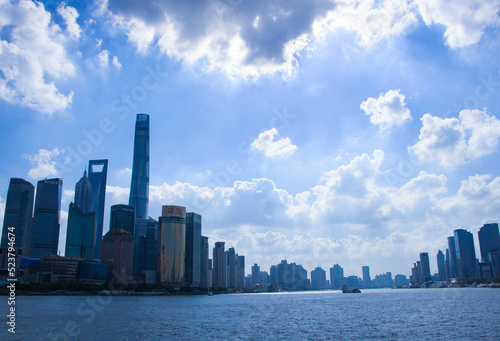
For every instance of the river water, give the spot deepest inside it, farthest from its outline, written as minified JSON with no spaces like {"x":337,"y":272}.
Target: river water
{"x":411,"y":314}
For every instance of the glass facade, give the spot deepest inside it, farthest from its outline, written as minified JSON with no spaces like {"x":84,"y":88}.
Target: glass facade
{"x":19,"y":214}
{"x":122,"y":217}
{"x":466,"y":253}
{"x":83,"y":194}
{"x":172,"y":245}
{"x":425,"y":267}
{"x":46,"y":218}
{"x":204,"y":249}
{"x":489,"y":240}
{"x":193,"y":245}
{"x":139,"y":188}
{"x":80,"y":233}
{"x":98,"y":173}
{"x":219,"y":269}
{"x":117,"y":251}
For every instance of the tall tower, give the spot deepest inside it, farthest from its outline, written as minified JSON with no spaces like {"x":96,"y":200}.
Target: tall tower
{"x":425,"y":267}
{"x":80,"y":233}
{"x":366,"y":276}
{"x":83,"y":194}
{"x":219,"y":266}
{"x":441,"y":265}
{"x":46,"y":218}
{"x":489,"y":240}
{"x":172,"y":245}
{"x":193,"y":244}
{"x":98,"y":173}
{"x":139,"y":188}
{"x":453,"y":258}
{"x":466,"y":253}
{"x":204,"y":262}
{"x":19,"y":214}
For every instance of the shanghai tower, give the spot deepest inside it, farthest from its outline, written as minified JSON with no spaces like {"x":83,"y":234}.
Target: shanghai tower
{"x":139,"y":188}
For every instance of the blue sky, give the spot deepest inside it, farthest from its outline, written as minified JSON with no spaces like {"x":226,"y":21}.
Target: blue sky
{"x":350,"y":132}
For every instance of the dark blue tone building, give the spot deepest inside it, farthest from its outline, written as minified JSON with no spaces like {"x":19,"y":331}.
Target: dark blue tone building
{"x":122,"y":217}
{"x":139,"y":188}
{"x":453,"y":258}
{"x":19,"y":214}
{"x":193,"y":245}
{"x":80,"y":233}
{"x":98,"y":173}
{"x":466,"y":253}
{"x":489,"y":240}
{"x":83,"y":194}
{"x":46,"y":218}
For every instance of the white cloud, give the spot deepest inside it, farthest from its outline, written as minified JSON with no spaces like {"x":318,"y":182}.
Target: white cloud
{"x":266,"y":144}
{"x":387,"y":110}
{"x":103,"y":59}
{"x":465,"y":21}
{"x":44,"y":162}
{"x":33,"y":50}
{"x":70,"y":14}
{"x":117,"y":195}
{"x":456,"y":141}
{"x":116,"y":63}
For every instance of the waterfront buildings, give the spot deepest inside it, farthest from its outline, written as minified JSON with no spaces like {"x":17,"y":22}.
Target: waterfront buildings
{"x":453,"y":258}
{"x":366,"y":277}
{"x":465,"y":253}
{"x":204,"y":251}
{"x":219,"y":266}
{"x":489,"y":240}
{"x":192,"y":251}
{"x":256,"y":275}
{"x":318,"y":278}
{"x":139,"y":188}
{"x":98,"y":173}
{"x":122,"y":218}
{"x":336,"y":276}
{"x":80,"y":233}
{"x":441,"y":266}
{"x":46,"y":218}
{"x":117,"y":252}
{"x":425,"y":268}
{"x":83,"y":194}
{"x":172,"y":239}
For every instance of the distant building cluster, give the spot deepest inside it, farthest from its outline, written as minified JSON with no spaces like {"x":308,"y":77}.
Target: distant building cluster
{"x":460,"y":260}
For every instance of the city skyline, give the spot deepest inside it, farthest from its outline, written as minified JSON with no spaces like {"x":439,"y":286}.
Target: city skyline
{"x":330,"y":144}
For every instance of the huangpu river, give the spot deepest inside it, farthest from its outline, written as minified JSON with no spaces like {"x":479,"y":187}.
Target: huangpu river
{"x":388,"y":314}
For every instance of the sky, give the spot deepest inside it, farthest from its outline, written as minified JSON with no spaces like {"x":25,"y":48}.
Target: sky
{"x":321,"y":132}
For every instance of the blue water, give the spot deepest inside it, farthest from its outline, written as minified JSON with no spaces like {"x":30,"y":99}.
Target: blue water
{"x":418,"y":314}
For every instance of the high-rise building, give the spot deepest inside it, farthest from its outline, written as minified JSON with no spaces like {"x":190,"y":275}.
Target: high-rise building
{"x":465,"y":253}
{"x":425,"y":267}
{"x":172,"y":239}
{"x":318,"y":278}
{"x":46,"y":218}
{"x":231,"y":268}
{"x":139,"y":188}
{"x":489,"y":240}
{"x":219,"y":266}
{"x":448,"y":264}
{"x":366,"y":277}
{"x":146,"y":253}
{"x":19,"y":214}
{"x":256,"y":275}
{"x":241,"y":272}
{"x":98,"y":174}
{"x":117,"y":247}
{"x":204,"y":251}
{"x":336,"y":276}
{"x":210,"y":281}
{"x":83,"y":194}
{"x":273,"y":275}
{"x":80,"y":233}
{"x":122,"y":218}
{"x":193,"y":244}
{"x":441,"y":266}
{"x":453,"y":258}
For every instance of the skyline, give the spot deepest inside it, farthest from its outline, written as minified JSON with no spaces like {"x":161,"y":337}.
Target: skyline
{"x":350,"y":148}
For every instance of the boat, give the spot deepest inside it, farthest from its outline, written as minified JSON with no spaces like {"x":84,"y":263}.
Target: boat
{"x":346,"y":290}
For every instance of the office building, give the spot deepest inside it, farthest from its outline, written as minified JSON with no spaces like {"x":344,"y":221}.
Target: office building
{"x":139,"y":188}
{"x":453,"y":258}
{"x":465,"y":253}
{"x":122,"y":218}
{"x":83,"y":194}
{"x":336,"y":276}
{"x":318,"y":278}
{"x":489,"y":240}
{"x":172,"y":239}
{"x":204,"y":251}
{"x":94,"y":272}
{"x":80,"y":233}
{"x":241,"y":272}
{"x":19,"y":214}
{"x":54,"y":268}
{"x":219,"y":265}
{"x":192,"y":252}
{"x":425,"y":268}
{"x":98,"y":173}
{"x":117,"y":251}
{"x":494,"y":260}
{"x":400,"y":280}
{"x":366,"y":277}
{"x":46,"y":218}
{"x":256,"y":280}
{"x":273,"y":275}
{"x":448,"y":264}
{"x":441,"y":266}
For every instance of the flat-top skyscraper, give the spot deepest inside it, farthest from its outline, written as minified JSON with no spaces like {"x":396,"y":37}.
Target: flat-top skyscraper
{"x":19,"y":214}
{"x":139,"y":188}
{"x":489,"y":240}
{"x":98,"y":173}
{"x":172,"y":245}
{"x":46,"y":218}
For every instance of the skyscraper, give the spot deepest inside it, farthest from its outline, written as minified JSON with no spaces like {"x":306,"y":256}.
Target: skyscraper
{"x":172,"y":245}
{"x":448,"y":264}
{"x":441,"y":265}
{"x":98,"y":173}
{"x":116,"y":251}
{"x":336,"y":276}
{"x":204,"y":251}
{"x":139,"y":188}
{"x":80,"y":233}
{"x":19,"y":214}
{"x":425,"y":267}
{"x":146,"y":253}
{"x":466,"y":253}
{"x":241,"y":271}
{"x":318,"y":278}
{"x":193,"y":244}
{"x":46,"y":218}
{"x":489,"y":240}
{"x":232,"y":268}
{"x":122,"y":217}
{"x":453,"y":258}
{"x":83,"y":194}
{"x":219,"y":266}
{"x":366,"y":277}
{"x":256,"y":275}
